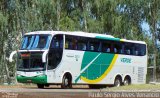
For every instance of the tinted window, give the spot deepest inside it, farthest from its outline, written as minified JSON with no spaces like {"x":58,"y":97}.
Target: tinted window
{"x":94,"y":45}
{"x":106,"y":46}
{"x":118,"y":47}
{"x":71,"y":42}
{"x":139,"y":49}
{"x":82,"y":43}
{"x":57,"y":41}
{"x":128,"y":48}
{"x":55,"y":52}
{"x":134,"y":49}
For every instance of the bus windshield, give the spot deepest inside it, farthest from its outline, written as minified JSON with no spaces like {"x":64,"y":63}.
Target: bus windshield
{"x":30,"y":62}
{"x":31,"y":42}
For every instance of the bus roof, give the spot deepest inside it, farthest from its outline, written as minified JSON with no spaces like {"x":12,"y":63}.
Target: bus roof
{"x":85,"y":34}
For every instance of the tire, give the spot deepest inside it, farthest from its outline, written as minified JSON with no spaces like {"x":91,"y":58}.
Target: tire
{"x":66,"y":82}
{"x":127,"y":82}
{"x":40,"y":86}
{"x":117,"y":82}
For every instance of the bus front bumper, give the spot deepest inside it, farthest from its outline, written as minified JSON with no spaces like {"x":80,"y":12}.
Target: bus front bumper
{"x":41,"y":79}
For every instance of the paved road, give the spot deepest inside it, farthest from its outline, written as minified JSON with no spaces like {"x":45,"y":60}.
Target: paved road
{"x":34,"y":92}
{"x":48,"y":90}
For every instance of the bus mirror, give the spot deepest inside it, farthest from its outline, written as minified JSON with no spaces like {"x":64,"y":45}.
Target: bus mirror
{"x":44,"y":56}
{"x":11,"y":56}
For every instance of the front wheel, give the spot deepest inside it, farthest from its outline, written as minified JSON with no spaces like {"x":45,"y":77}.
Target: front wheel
{"x":66,"y":82}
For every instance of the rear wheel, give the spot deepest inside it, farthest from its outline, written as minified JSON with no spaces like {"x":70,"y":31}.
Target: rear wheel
{"x":66,"y":82}
{"x":40,"y":85}
{"x":127,"y":81}
{"x":117,"y":82}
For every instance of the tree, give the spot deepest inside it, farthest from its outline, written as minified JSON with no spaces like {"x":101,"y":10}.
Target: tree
{"x":152,"y":17}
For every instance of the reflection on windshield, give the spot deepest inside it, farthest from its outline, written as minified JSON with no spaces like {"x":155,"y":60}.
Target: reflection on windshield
{"x":26,"y":43}
{"x":35,"y":42}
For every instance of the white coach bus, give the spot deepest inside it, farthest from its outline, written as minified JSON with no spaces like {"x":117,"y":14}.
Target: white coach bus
{"x":66,"y":58}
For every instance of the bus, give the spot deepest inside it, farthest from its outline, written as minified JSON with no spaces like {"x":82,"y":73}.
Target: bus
{"x":67,"y":58}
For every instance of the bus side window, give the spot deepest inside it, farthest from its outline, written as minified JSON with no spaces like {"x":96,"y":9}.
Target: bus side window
{"x":74,"y":41}
{"x":118,"y":47}
{"x":91,"y":47}
{"x":81,"y":43}
{"x":115,"y":50}
{"x":129,"y":48}
{"x":140,"y":49}
{"x":68,"y":42}
{"x":94,"y":45}
{"x":81,"y":46}
{"x":106,"y":46}
{"x":136,"y":52}
{"x":128,"y":52}
{"x":84,"y":47}
{"x":108,"y":50}
{"x":57,"y":42}
{"x":70,"y":46}
{"x":71,"y":42}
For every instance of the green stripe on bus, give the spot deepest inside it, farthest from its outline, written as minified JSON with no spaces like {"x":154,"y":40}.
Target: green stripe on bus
{"x":41,"y":79}
{"x":87,"y":58}
{"x":97,"y":67}
{"x":108,"y":38}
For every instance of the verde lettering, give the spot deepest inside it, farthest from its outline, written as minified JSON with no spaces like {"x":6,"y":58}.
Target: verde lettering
{"x":126,"y":60}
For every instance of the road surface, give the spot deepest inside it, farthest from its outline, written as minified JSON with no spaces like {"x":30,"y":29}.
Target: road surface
{"x":34,"y":92}
{"x":84,"y":92}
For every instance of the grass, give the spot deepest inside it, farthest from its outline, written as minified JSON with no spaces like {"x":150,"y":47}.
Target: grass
{"x":139,"y":87}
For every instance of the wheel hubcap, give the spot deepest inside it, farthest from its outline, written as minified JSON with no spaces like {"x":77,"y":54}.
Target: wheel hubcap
{"x":126,"y":82}
{"x":117,"y":83}
{"x":66,"y":82}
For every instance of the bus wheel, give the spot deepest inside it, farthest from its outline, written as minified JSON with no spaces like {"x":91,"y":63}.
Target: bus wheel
{"x":127,"y":81}
{"x":40,"y":85}
{"x":66,"y":82}
{"x":117,"y":82}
